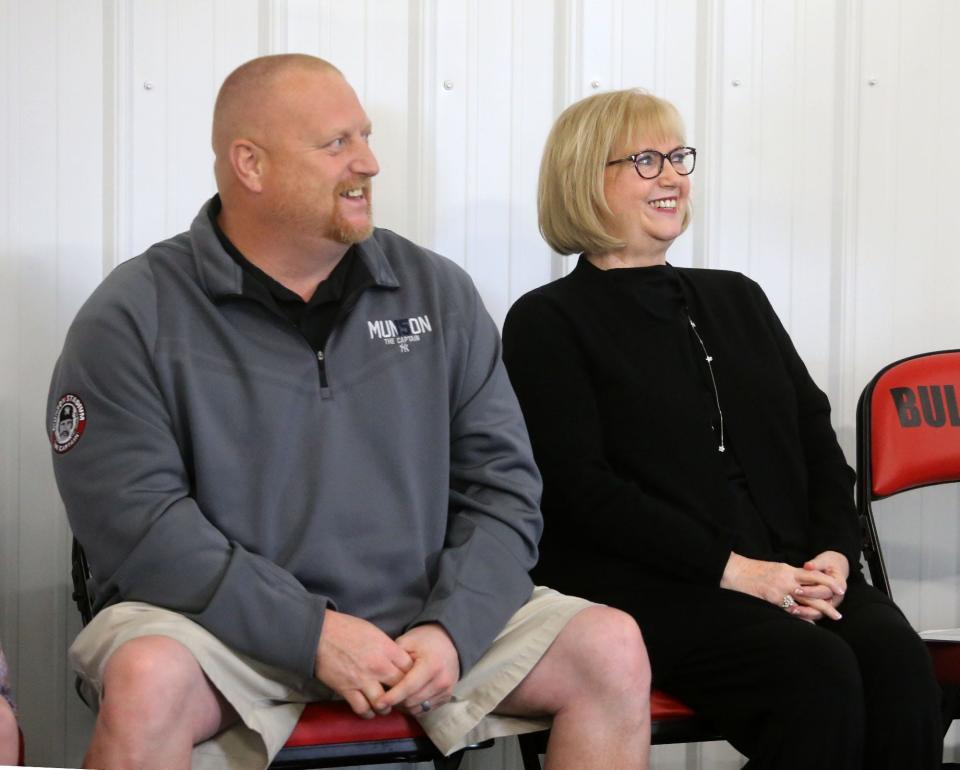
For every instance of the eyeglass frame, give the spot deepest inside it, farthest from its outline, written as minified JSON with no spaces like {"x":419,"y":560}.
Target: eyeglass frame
{"x":663,"y":157}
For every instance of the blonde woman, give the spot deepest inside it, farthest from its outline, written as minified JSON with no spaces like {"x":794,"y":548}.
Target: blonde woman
{"x":691,"y":474}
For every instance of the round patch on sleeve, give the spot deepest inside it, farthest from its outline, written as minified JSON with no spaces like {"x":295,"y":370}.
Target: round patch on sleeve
{"x":69,"y":420}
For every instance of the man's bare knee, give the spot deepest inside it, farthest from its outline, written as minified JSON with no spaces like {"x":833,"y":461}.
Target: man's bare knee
{"x":607,"y":652}
{"x":598,"y":661}
{"x":156,"y":665}
{"x":154,"y":682}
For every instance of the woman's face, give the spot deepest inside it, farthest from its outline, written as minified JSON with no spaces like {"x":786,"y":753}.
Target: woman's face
{"x":646,"y":214}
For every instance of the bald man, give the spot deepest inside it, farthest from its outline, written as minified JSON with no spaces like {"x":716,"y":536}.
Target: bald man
{"x":299,"y":473}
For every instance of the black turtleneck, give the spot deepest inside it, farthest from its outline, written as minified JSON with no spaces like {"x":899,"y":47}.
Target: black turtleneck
{"x":623,"y":419}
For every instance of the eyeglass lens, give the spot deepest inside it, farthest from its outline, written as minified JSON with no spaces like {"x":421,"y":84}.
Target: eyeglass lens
{"x":649,"y":164}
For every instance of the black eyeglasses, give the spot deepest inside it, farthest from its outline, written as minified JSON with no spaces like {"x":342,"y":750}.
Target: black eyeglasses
{"x":649,"y":163}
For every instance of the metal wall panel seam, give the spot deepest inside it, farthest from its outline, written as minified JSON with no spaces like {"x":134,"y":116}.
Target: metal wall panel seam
{"x":754,"y":111}
{"x":798,"y":125}
{"x":569,"y":73}
{"x":10,"y":394}
{"x":272,"y":32}
{"x":516,"y":125}
{"x":709,"y":129}
{"x":471,"y":150}
{"x":662,"y":35}
{"x":571,"y":61}
{"x":57,"y":573}
{"x":424,"y":76}
{"x":168,"y":13}
{"x":843,"y":349}
{"x":324,"y":25}
{"x":117,"y":145}
{"x":219,"y":46}
{"x":617,"y":34}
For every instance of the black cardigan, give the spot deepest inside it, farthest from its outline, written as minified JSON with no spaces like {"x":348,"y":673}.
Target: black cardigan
{"x":634,"y":486}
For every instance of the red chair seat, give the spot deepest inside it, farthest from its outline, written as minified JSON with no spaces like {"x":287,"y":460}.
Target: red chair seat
{"x":331,"y":735}
{"x":334,"y":722}
{"x":665,"y":707}
{"x":946,"y":661}
{"x":671,"y":721}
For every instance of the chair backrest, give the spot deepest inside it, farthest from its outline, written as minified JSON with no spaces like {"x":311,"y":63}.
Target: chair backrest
{"x":80,"y":575}
{"x":908,"y":436}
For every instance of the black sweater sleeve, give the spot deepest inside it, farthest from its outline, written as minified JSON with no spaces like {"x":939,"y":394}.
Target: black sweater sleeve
{"x":583,"y":495}
{"x":832,"y":512}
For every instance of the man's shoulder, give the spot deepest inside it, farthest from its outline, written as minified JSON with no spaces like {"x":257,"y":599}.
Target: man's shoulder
{"x":131,"y":287}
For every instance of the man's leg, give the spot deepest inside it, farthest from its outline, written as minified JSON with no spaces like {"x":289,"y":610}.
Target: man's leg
{"x":595,"y":682}
{"x":156,"y":705}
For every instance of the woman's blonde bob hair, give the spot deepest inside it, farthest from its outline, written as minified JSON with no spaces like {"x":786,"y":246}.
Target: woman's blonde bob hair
{"x":570,"y":200}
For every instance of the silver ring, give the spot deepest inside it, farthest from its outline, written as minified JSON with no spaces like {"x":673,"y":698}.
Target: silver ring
{"x":426,"y":706}
{"x":788,"y":602}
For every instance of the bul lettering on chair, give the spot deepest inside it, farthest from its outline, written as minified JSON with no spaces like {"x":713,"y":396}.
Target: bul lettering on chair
{"x":933,"y":405}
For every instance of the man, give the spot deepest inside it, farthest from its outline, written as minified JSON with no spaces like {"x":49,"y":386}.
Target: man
{"x":299,"y":473}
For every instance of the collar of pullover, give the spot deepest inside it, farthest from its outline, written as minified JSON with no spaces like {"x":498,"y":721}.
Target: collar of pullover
{"x":222,"y":276}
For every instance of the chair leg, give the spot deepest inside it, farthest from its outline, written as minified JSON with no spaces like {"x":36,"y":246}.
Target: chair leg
{"x":529,"y":752}
{"x":449,"y":763}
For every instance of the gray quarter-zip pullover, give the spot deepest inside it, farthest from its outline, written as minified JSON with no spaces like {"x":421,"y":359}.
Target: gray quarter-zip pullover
{"x":211,"y":464}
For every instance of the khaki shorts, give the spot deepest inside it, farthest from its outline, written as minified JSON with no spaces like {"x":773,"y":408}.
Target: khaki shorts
{"x":270,"y":700}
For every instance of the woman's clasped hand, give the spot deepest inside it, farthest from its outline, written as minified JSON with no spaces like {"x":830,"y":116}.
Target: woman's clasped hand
{"x":811,"y":592}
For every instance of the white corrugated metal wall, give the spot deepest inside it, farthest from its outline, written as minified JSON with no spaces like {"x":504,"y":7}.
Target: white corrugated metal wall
{"x":827,"y":168}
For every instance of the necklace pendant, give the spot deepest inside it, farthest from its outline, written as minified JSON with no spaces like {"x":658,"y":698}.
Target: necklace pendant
{"x":722,"y":448}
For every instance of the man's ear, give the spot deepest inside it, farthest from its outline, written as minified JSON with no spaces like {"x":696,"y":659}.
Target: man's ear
{"x":247,"y":162}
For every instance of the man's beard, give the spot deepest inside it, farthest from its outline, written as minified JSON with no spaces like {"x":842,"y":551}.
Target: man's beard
{"x":340,"y":228}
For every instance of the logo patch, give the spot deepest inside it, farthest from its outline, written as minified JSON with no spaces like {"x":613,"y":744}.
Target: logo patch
{"x":401,"y":332}
{"x":69,"y":420}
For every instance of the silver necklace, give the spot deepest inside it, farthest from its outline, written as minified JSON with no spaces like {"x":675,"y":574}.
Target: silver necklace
{"x":713,"y":380}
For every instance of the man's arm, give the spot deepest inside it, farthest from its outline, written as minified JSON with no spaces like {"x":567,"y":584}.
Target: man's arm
{"x":494,"y":520}
{"x":128,"y":491}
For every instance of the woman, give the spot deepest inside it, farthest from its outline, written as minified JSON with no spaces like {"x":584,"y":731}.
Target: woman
{"x":691,"y":475}
{"x":9,"y":735}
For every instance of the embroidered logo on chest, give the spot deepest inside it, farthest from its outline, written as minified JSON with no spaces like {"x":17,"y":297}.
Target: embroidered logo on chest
{"x":400,"y":332}
{"x":69,"y":420}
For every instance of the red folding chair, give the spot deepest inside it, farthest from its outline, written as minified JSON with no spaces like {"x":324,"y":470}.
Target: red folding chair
{"x":908,"y":436}
{"x":328,"y":734}
{"x":331,"y":735}
{"x":670,"y":722}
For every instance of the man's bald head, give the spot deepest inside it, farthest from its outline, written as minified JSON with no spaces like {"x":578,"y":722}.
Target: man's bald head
{"x":243,"y":103}
{"x":293,"y":159}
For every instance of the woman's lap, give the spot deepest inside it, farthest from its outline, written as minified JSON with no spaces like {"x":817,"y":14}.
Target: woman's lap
{"x":766,"y":678}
